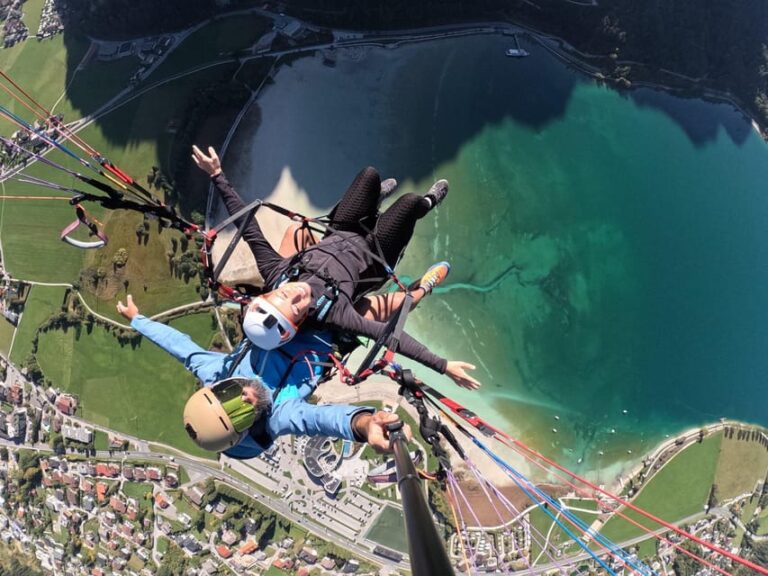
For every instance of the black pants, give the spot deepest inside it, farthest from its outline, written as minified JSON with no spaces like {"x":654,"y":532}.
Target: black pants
{"x":387,"y":234}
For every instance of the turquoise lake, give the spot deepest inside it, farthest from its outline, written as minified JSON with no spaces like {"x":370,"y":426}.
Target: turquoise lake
{"x":608,"y":248}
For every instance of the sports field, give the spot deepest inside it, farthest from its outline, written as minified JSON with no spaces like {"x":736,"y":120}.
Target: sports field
{"x":139,"y":391}
{"x":679,"y":490}
{"x":389,"y":530}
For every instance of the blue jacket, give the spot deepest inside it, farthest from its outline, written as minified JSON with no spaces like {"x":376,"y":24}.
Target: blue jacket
{"x":291,"y":413}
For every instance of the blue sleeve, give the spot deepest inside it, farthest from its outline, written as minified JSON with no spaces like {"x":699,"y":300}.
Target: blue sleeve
{"x":204,"y":364}
{"x":295,"y":416}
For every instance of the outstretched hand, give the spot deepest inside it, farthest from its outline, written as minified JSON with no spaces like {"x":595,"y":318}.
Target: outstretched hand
{"x":210,"y":164}
{"x":129,"y":310}
{"x":456,"y":370}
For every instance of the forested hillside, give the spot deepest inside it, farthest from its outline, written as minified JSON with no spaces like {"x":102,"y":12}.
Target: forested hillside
{"x":715,"y":44}
{"x":707,"y":45}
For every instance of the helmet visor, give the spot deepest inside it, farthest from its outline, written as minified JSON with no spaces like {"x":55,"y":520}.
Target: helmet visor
{"x":230,"y":393}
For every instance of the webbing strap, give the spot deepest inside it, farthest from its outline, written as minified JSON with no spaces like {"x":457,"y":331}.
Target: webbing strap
{"x":390,"y":337}
{"x":249,"y":212}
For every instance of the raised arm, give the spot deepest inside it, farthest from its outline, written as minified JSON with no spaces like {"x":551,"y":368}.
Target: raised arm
{"x":204,"y":364}
{"x":267,"y":258}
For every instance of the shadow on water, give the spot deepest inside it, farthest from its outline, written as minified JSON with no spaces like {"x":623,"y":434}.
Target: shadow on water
{"x":533,"y":92}
{"x":407,"y":111}
{"x":410,"y":110}
{"x":699,"y":119}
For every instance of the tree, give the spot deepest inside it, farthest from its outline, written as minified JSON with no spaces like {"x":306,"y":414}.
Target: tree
{"x":120,"y":258}
{"x":198,"y":521}
{"x":174,"y":562}
{"x":34,"y":372}
{"x":683,"y":564}
{"x":210,"y":490}
{"x":28,"y":460}
{"x":57,"y":444}
{"x":35,"y":428}
{"x":32,"y":475}
{"x":713,"y":497}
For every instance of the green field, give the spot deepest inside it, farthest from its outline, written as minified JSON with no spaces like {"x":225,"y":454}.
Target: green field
{"x":135,"y":136}
{"x":679,"y":490}
{"x":140,"y":392}
{"x":30,"y":232}
{"x":162,"y":545}
{"x":742,"y":463}
{"x":32,"y":11}
{"x":42,"y":67}
{"x":100,"y":441}
{"x":228,"y":34}
{"x":200,"y":327}
{"x":139,"y":491}
{"x":647,"y":548}
{"x":41,"y":303}
{"x":183,"y":476}
{"x":181,"y":505}
{"x":6,"y":336}
{"x":762,"y":529}
{"x":389,"y":530}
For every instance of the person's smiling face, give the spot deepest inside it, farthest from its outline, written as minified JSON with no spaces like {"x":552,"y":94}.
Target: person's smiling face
{"x":292,"y":299}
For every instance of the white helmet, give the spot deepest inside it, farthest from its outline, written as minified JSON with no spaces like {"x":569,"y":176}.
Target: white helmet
{"x":266,"y":327}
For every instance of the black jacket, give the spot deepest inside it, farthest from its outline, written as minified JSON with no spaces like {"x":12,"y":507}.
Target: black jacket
{"x":341,"y":256}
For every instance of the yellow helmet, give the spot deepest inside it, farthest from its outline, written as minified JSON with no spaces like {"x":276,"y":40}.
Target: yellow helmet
{"x":216,"y":417}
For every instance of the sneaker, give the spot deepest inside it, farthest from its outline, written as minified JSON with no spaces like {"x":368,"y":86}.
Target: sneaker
{"x":437,"y":193}
{"x":387,"y":188}
{"x":432,"y":277}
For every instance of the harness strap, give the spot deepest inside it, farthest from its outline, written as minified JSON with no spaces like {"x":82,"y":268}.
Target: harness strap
{"x":206,"y":251}
{"x":390,"y":337}
{"x":245,"y":347}
{"x":321,"y":221}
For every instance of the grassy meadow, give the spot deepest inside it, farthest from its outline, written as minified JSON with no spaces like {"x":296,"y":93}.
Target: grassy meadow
{"x":742,"y":463}
{"x":680,"y":489}
{"x":139,"y":391}
{"x":42,"y":302}
{"x":228,"y":34}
